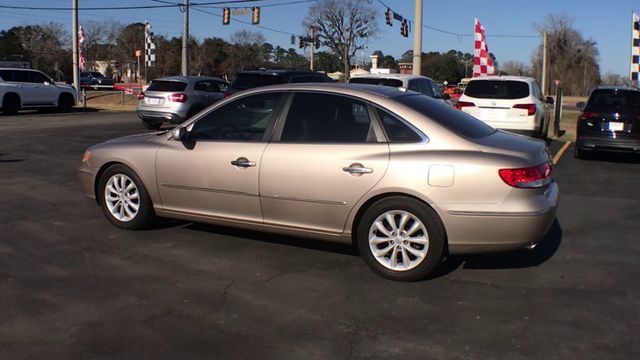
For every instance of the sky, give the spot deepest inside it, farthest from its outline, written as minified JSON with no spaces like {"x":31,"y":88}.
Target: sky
{"x":510,"y":24}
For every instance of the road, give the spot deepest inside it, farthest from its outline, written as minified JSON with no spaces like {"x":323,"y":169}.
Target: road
{"x":74,"y":287}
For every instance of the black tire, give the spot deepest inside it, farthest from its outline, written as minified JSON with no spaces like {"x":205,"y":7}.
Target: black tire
{"x":144,"y":216}
{"x":432,"y":224}
{"x":579,"y":154}
{"x":10,"y":104}
{"x":65,"y":103}
{"x":151,"y":124}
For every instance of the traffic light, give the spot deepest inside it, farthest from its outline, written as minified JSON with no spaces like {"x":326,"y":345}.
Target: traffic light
{"x":404,"y":28}
{"x":226,"y":16}
{"x":303,"y":43}
{"x":255,"y":15}
{"x":388,"y":15}
{"x":317,"y":43}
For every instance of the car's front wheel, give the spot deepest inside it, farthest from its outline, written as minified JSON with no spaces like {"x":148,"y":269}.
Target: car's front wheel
{"x":65,"y":103}
{"x":400,"y":238}
{"x":124,"y":199}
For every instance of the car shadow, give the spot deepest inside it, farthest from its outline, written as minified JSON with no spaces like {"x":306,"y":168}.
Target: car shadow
{"x":614,"y":157}
{"x":516,"y":259}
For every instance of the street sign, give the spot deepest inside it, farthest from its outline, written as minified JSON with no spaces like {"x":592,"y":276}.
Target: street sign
{"x":138,"y":53}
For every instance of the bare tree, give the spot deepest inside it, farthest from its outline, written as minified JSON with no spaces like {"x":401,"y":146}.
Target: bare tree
{"x":246,"y":50}
{"x":343,"y":26}
{"x":100,"y":39}
{"x":615,"y":79}
{"x":44,"y":44}
{"x":515,"y":68}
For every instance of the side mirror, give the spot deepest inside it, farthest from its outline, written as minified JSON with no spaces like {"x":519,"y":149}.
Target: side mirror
{"x":580,"y":105}
{"x":549,"y":100}
{"x":178,"y":134}
{"x":446,"y":96}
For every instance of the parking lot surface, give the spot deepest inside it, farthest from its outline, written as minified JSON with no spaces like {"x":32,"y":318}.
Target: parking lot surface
{"x":74,"y":287}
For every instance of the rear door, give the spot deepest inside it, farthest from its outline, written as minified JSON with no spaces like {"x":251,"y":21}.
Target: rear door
{"x":326,"y":156}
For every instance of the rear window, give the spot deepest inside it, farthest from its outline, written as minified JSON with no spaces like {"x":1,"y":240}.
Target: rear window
{"x":497,"y":89}
{"x":376,"y":81}
{"x":456,"y":121}
{"x":614,"y":98}
{"x":169,"y":86}
{"x":248,"y":81}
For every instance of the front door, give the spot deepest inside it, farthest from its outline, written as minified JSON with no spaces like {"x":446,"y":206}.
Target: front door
{"x":215,"y":171}
{"x":327,"y":157}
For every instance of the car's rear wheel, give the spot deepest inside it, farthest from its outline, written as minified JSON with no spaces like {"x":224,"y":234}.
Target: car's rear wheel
{"x":401,"y":238}
{"x":152,"y":124}
{"x":10,"y":104}
{"x":124,"y":199}
{"x":65,"y":103}
{"x":579,"y":154}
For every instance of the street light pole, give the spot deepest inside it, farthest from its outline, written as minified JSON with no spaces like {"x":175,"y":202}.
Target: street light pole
{"x":74,"y":44}
{"x":185,"y":38}
{"x":417,"y":39}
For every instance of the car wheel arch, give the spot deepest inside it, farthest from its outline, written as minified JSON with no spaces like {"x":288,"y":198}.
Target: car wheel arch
{"x":13,"y":95}
{"x":103,"y":168}
{"x":372,"y":200}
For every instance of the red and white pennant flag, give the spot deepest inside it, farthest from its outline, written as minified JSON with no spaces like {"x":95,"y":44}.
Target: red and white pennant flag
{"x":482,"y":63}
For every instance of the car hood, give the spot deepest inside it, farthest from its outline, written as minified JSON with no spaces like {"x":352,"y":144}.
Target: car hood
{"x":137,"y":138}
{"x":506,"y":143}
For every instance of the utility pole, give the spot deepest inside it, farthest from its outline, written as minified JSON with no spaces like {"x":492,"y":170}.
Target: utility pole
{"x":417,"y":39}
{"x":313,"y":45}
{"x":544,"y":63}
{"x":74,"y":44}
{"x":185,"y":38}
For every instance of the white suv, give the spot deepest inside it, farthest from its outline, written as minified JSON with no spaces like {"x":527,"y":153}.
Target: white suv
{"x":512,"y":103}
{"x":32,"y":89}
{"x":417,"y":83}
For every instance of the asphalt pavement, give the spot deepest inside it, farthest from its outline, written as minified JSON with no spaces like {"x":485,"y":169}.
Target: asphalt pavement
{"x":72,"y":286}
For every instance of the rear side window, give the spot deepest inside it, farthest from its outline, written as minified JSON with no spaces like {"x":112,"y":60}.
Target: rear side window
{"x":376,"y":81}
{"x":248,"y":81}
{"x":456,"y":121}
{"x":6,"y":75}
{"x":497,"y":89}
{"x":169,"y":86}
{"x":614,"y":98}
{"x":208,"y":86}
{"x":396,"y":130}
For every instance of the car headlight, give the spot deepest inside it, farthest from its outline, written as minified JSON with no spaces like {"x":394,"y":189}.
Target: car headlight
{"x":87,"y":157}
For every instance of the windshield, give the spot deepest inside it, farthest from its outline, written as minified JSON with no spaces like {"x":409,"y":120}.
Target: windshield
{"x":376,"y":81}
{"x":247,"y":81}
{"x":456,"y":121}
{"x":614,"y":98}
{"x":497,"y":89}
{"x":163,"y":85}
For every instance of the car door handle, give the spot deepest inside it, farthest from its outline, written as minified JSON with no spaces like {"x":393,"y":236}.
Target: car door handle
{"x":243,"y":162}
{"x":357,"y":169}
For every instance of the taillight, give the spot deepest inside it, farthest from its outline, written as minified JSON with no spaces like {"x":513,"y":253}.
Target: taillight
{"x":178,"y":97}
{"x":531,"y":108}
{"x":140,"y":95}
{"x":531,"y":177}
{"x":227,"y":94}
{"x":461,"y":104}
{"x":590,"y":115}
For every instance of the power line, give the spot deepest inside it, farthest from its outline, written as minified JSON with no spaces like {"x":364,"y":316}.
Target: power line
{"x":123,"y":7}
{"x":262,"y":5}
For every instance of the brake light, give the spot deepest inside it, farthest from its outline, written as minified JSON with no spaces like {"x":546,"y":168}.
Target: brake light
{"x":531,"y":177}
{"x":461,"y":104}
{"x":227,"y":94}
{"x":140,"y":95}
{"x":531,"y":108}
{"x":178,"y":97}
{"x":590,"y":115}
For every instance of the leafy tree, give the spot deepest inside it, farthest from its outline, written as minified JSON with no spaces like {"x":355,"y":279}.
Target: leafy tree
{"x":342,"y":26}
{"x":326,"y":61}
{"x":389,"y":62}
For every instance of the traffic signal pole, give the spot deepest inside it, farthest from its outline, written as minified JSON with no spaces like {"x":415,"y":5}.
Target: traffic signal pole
{"x":417,"y":39}
{"x":313,"y":45}
{"x":74,"y":45}
{"x":185,"y":38}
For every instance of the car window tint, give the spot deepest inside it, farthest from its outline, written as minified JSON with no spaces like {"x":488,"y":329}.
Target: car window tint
{"x":376,"y":81}
{"x":21,"y":76}
{"x":413,"y":85}
{"x":37,"y":77}
{"x":324,"y":118}
{"x":456,"y":121}
{"x":6,"y":75}
{"x":396,"y":130}
{"x":425,"y":88}
{"x":245,"y":119}
{"x":169,"y":86}
{"x":614,"y":98}
{"x":497,"y":89}
{"x":437,"y":92}
{"x":207,"y":85}
{"x":251,"y":80}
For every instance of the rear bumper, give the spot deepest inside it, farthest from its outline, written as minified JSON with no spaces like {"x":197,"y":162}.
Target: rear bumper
{"x":160,"y":116}
{"x":607,"y":143}
{"x":515,"y":224}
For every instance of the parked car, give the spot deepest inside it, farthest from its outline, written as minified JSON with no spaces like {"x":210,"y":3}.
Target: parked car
{"x":405,"y":177}
{"x":32,"y":89}
{"x":254,"y":78}
{"x":96,"y":79}
{"x":176,"y":98}
{"x":610,"y":121}
{"x":513,"y":103}
{"x":453,"y":91}
{"x":417,"y":83}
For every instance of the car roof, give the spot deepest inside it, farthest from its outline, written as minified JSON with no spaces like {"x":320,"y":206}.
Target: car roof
{"x":392,"y":76}
{"x":348,"y":89}
{"x":503,"y":78}
{"x":187,"y":78}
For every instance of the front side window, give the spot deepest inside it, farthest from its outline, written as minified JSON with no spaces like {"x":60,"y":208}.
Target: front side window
{"x":245,"y":119}
{"x":413,"y":85}
{"x":425,"y":88}
{"x":437,"y":92}
{"x":324,"y":118}
{"x":38,"y":78}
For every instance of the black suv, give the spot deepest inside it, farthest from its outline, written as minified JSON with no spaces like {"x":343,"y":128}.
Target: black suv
{"x":610,"y":121}
{"x":255,"y":78}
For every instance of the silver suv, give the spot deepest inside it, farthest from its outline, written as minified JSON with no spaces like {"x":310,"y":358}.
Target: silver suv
{"x":32,"y":89}
{"x":177,"y":98}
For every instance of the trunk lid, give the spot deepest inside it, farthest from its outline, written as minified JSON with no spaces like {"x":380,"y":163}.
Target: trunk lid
{"x":532,"y":151}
